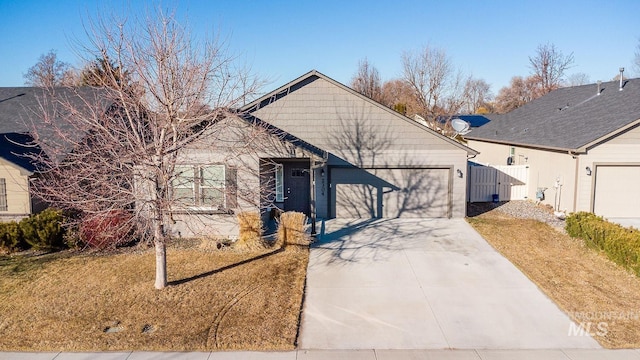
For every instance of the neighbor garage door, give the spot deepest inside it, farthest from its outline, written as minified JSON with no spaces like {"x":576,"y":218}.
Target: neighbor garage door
{"x":390,"y":193}
{"x":617,"y":191}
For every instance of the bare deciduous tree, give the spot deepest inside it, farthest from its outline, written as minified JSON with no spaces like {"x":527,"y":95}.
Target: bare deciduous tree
{"x":477,"y":93}
{"x":548,"y":67}
{"x":577,"y":79}
{"x":436,"y":84}
{"x":399,"y":96}
{"x":636,"y":59}
{"x":367,"y":81}
{"x":519,"y":92}
{"x":49,"y":72}
{"x":181,"y":94}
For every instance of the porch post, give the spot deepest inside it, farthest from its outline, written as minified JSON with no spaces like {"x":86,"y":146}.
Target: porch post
{"x":312,"y":197}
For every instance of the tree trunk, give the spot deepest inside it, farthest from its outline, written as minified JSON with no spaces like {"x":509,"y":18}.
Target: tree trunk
{"x":161,"y":265}
{"x":161,"y":256}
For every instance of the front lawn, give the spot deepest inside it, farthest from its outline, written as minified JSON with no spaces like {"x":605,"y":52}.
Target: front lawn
{"x":218,"y":300}
{"x":584,"y":283}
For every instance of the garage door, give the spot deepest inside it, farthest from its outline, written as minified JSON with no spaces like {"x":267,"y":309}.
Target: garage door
{"x":391,"y":193}
{"x":617,"y":191}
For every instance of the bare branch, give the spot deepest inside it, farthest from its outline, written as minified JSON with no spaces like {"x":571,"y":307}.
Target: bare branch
{"x":49,"y":72}
{"x":436,"y":84}
{"x":548,"y":67}
{"x":160,"y":104}
{"x":367,"y":81}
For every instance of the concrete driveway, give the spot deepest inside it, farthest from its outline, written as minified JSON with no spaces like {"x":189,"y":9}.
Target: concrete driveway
{"x":423,"y":284}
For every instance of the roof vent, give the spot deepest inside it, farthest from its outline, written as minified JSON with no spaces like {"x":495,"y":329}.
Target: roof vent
{"x":621,"y":72}
{"x":599,"y":84}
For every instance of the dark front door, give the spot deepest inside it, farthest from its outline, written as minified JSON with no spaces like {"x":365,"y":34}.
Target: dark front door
{"x":296,"y":186}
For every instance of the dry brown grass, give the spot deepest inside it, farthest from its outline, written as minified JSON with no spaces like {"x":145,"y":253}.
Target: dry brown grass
{"x":218,"y":300}
{"x":292,"y":229}
{"x":583,"y":282}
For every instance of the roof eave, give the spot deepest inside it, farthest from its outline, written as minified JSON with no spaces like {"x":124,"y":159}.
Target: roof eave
{"x":514,"y":143}
{"x":22,"y":169}
{"x":610,"y":135}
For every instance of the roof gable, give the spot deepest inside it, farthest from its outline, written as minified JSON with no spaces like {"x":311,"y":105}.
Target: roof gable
{"x":571,"y":118}
{"x":20,"y":150}
{"x":314,"y":105}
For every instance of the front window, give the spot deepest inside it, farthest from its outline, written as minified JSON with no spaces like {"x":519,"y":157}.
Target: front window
{"x":201,"y":186}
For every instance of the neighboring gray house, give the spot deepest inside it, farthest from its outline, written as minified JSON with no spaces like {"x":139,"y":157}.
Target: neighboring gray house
{"x":21,"y":110}
{"x":582,"y":146}
{"x":350,"y":157}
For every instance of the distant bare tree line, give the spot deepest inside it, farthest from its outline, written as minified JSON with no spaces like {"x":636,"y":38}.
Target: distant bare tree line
{"x":433,"y":88}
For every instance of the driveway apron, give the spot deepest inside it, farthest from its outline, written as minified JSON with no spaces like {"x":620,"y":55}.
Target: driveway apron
{"x":423,"y":284}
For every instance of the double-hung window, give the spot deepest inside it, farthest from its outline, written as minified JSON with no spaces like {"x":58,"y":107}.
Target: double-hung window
{"x":211,"y":181}
{"x":4,"y":203}
{"x":184,"y":185}
{"x":204,"y":187}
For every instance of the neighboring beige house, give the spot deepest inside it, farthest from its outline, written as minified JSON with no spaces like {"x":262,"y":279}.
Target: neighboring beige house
{"x":349,"y":157}
{"x":582,"y":146}
{"x":16,"y":201}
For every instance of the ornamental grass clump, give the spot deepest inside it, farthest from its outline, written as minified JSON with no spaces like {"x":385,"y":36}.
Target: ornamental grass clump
{"x":292,"y":229}
{"x":250,"y":236}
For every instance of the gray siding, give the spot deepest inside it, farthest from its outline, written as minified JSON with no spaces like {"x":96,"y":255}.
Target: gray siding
{"x":358,"y":132}
{"x":352,"y":128}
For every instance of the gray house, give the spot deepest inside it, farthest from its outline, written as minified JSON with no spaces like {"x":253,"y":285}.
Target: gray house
{"x":581,"y":144}
{"x":349,"y":157}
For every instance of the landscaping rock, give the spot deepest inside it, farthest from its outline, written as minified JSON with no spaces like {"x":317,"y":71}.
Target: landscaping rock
{"x":522,"y":209}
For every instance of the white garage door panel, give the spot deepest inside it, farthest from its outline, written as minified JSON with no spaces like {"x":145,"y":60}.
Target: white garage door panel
{"x":617,"y":192}
{"x":393,"y":193}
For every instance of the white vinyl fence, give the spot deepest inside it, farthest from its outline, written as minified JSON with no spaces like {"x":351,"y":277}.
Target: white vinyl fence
{"x":509,"y":182}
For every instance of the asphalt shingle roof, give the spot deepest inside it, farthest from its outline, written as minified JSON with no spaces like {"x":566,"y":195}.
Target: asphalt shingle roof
{"x":21,"y":109}
{"x":568,"y":118}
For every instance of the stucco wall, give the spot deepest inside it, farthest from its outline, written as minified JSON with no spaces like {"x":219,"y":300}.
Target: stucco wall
{"x":545,"y":168}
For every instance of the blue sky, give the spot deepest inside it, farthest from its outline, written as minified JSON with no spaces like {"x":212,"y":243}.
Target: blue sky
{"x":284,"y":39}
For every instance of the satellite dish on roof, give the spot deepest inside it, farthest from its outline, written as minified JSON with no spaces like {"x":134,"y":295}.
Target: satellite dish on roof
{"x":460,"y":126}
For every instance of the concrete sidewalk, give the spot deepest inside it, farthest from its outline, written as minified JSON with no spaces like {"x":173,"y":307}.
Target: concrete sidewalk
{"x":558,"y":354}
